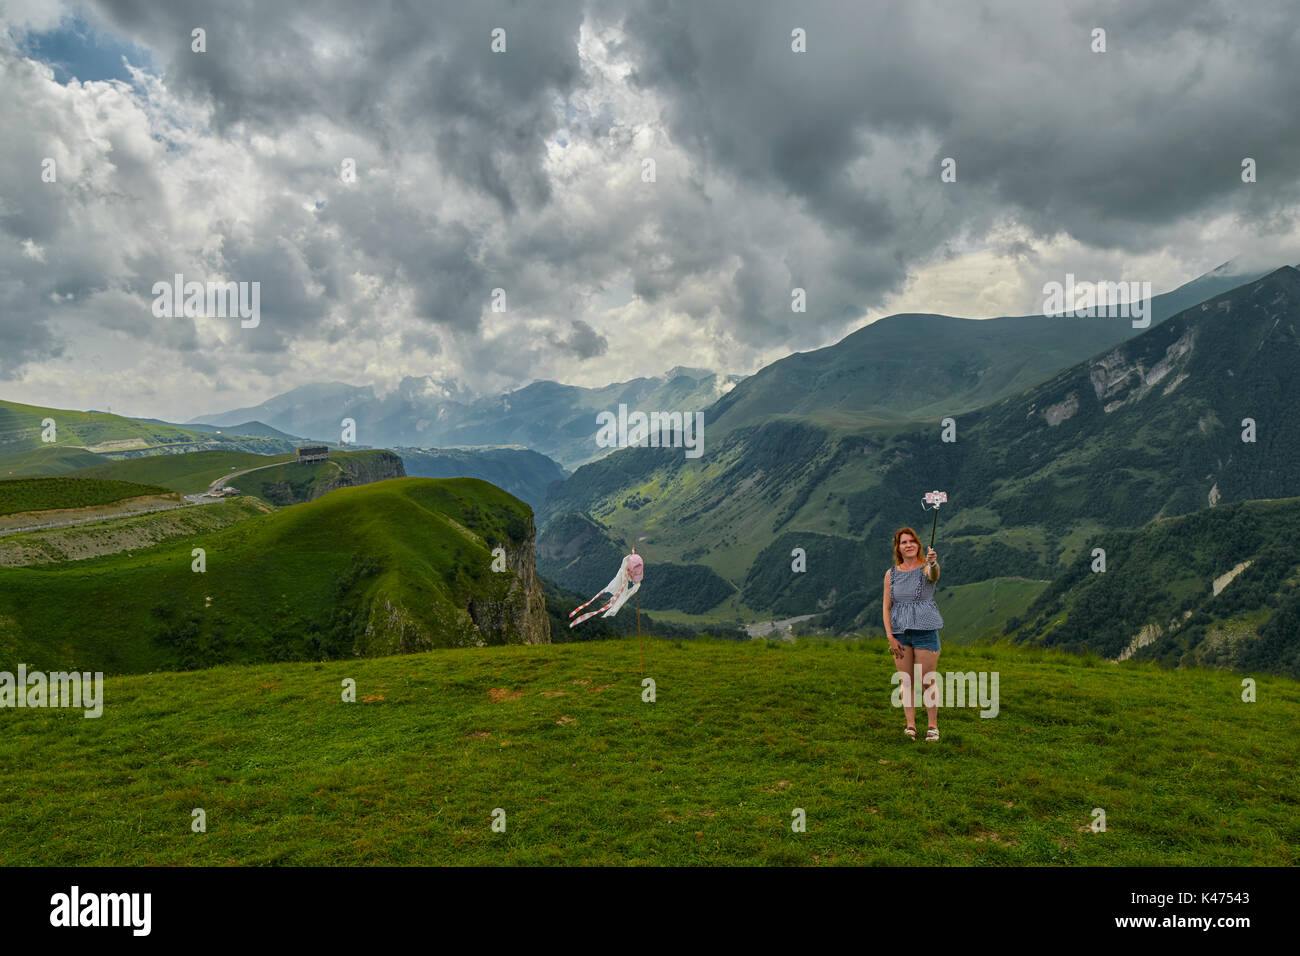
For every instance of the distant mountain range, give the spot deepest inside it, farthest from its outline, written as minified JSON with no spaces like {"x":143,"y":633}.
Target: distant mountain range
{"x":963,"y":363}
{"x":556,"y":420}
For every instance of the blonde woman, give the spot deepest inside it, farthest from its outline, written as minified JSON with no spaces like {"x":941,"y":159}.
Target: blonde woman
{"x":912,"y":621}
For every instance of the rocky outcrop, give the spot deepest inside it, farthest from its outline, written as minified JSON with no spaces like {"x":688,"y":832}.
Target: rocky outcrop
{"x":1223,"y":580}
{"x":519,"y":615}
{"x":1149,"y":635}
{"x":1115,"y":377}
{"x":359,"y":469}
{"x":1063,"y":410}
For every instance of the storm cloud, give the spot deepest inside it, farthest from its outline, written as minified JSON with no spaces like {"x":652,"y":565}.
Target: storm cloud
{"x":627,"y":186}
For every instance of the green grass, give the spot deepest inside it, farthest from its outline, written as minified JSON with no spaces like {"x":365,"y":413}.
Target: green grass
{"x":973,"y":610}
{"x":45,"y":494}
{"x":45,"y":460}
{"x":189,"y":473}
{"x":740,"y":736}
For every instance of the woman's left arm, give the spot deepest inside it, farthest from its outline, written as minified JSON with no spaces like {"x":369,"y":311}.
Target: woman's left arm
{"x":931,"y":566}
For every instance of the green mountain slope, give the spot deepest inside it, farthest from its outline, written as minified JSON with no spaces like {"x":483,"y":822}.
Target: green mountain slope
{"x":1149,"y":429}
{"x":523,"y":473}
{"x":1157,"y":600}
{"x":960,"y":364}
{"x":123,"y":533}
{"x":23,"y":435}
{"x":190,"y":473}
{"x":295,"y":482}
{"x":389,"y":567}
{"x":22,"y":495}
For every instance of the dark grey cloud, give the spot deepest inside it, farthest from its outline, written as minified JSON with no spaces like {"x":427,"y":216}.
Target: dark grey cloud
{"x":521,"y":170}
{"x":582,"y":340}
{"x":1148,"y":133}
{"x":402,"y":73}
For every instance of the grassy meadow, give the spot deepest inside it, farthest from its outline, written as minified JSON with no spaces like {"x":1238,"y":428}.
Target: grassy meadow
{"x":739,"y":736}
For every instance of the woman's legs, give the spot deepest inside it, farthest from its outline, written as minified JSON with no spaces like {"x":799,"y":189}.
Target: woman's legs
{"x":904,"y":665}
{"x":928,"y":659}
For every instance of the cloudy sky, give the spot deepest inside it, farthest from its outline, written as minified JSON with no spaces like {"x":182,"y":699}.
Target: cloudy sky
{"x":525,"y":170}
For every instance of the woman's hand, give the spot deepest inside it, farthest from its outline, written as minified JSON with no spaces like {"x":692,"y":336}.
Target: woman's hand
{"x":895,"y":648}
{"x":931,"y":557}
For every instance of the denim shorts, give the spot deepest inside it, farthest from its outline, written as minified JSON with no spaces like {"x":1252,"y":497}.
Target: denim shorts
{"x":921,"y":640}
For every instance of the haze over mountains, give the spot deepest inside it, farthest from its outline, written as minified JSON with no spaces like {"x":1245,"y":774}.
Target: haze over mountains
{"x":556,"y":420}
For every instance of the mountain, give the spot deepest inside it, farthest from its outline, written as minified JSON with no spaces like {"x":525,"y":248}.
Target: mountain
{"x":558,"y":421}
{"x":1147,"y":429}
{"x":300,"y":411}
{"x":960,"y":364}
{"x":967,"y":362}
{"x":523,"y":473}
{"x":244,"y":428}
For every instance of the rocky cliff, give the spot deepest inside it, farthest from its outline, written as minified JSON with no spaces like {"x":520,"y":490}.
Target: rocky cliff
{"x":359,"y":469}
{"x":519,"y":614}
{"x":295,"y":483}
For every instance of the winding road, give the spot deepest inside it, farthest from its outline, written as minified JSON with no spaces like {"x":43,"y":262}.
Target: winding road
{"x":205,"y":498}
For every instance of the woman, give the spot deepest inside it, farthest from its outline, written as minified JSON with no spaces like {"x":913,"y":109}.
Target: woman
{"x":912,"y":621}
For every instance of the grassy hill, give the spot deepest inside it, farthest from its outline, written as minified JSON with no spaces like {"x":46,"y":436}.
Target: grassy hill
{"x":18,"y":495}
{"x":23,"y":432}
{"x":46,"y":460}
{"x":383,"y":568}
{"x":190,"y":473}
{"x":739,"y":736}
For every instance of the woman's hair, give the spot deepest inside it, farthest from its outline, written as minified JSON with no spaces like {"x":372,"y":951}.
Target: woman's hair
{"x":898,"y":555}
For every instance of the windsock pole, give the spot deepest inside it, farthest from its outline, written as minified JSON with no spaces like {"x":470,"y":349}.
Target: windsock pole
{"x":640,"y":652}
